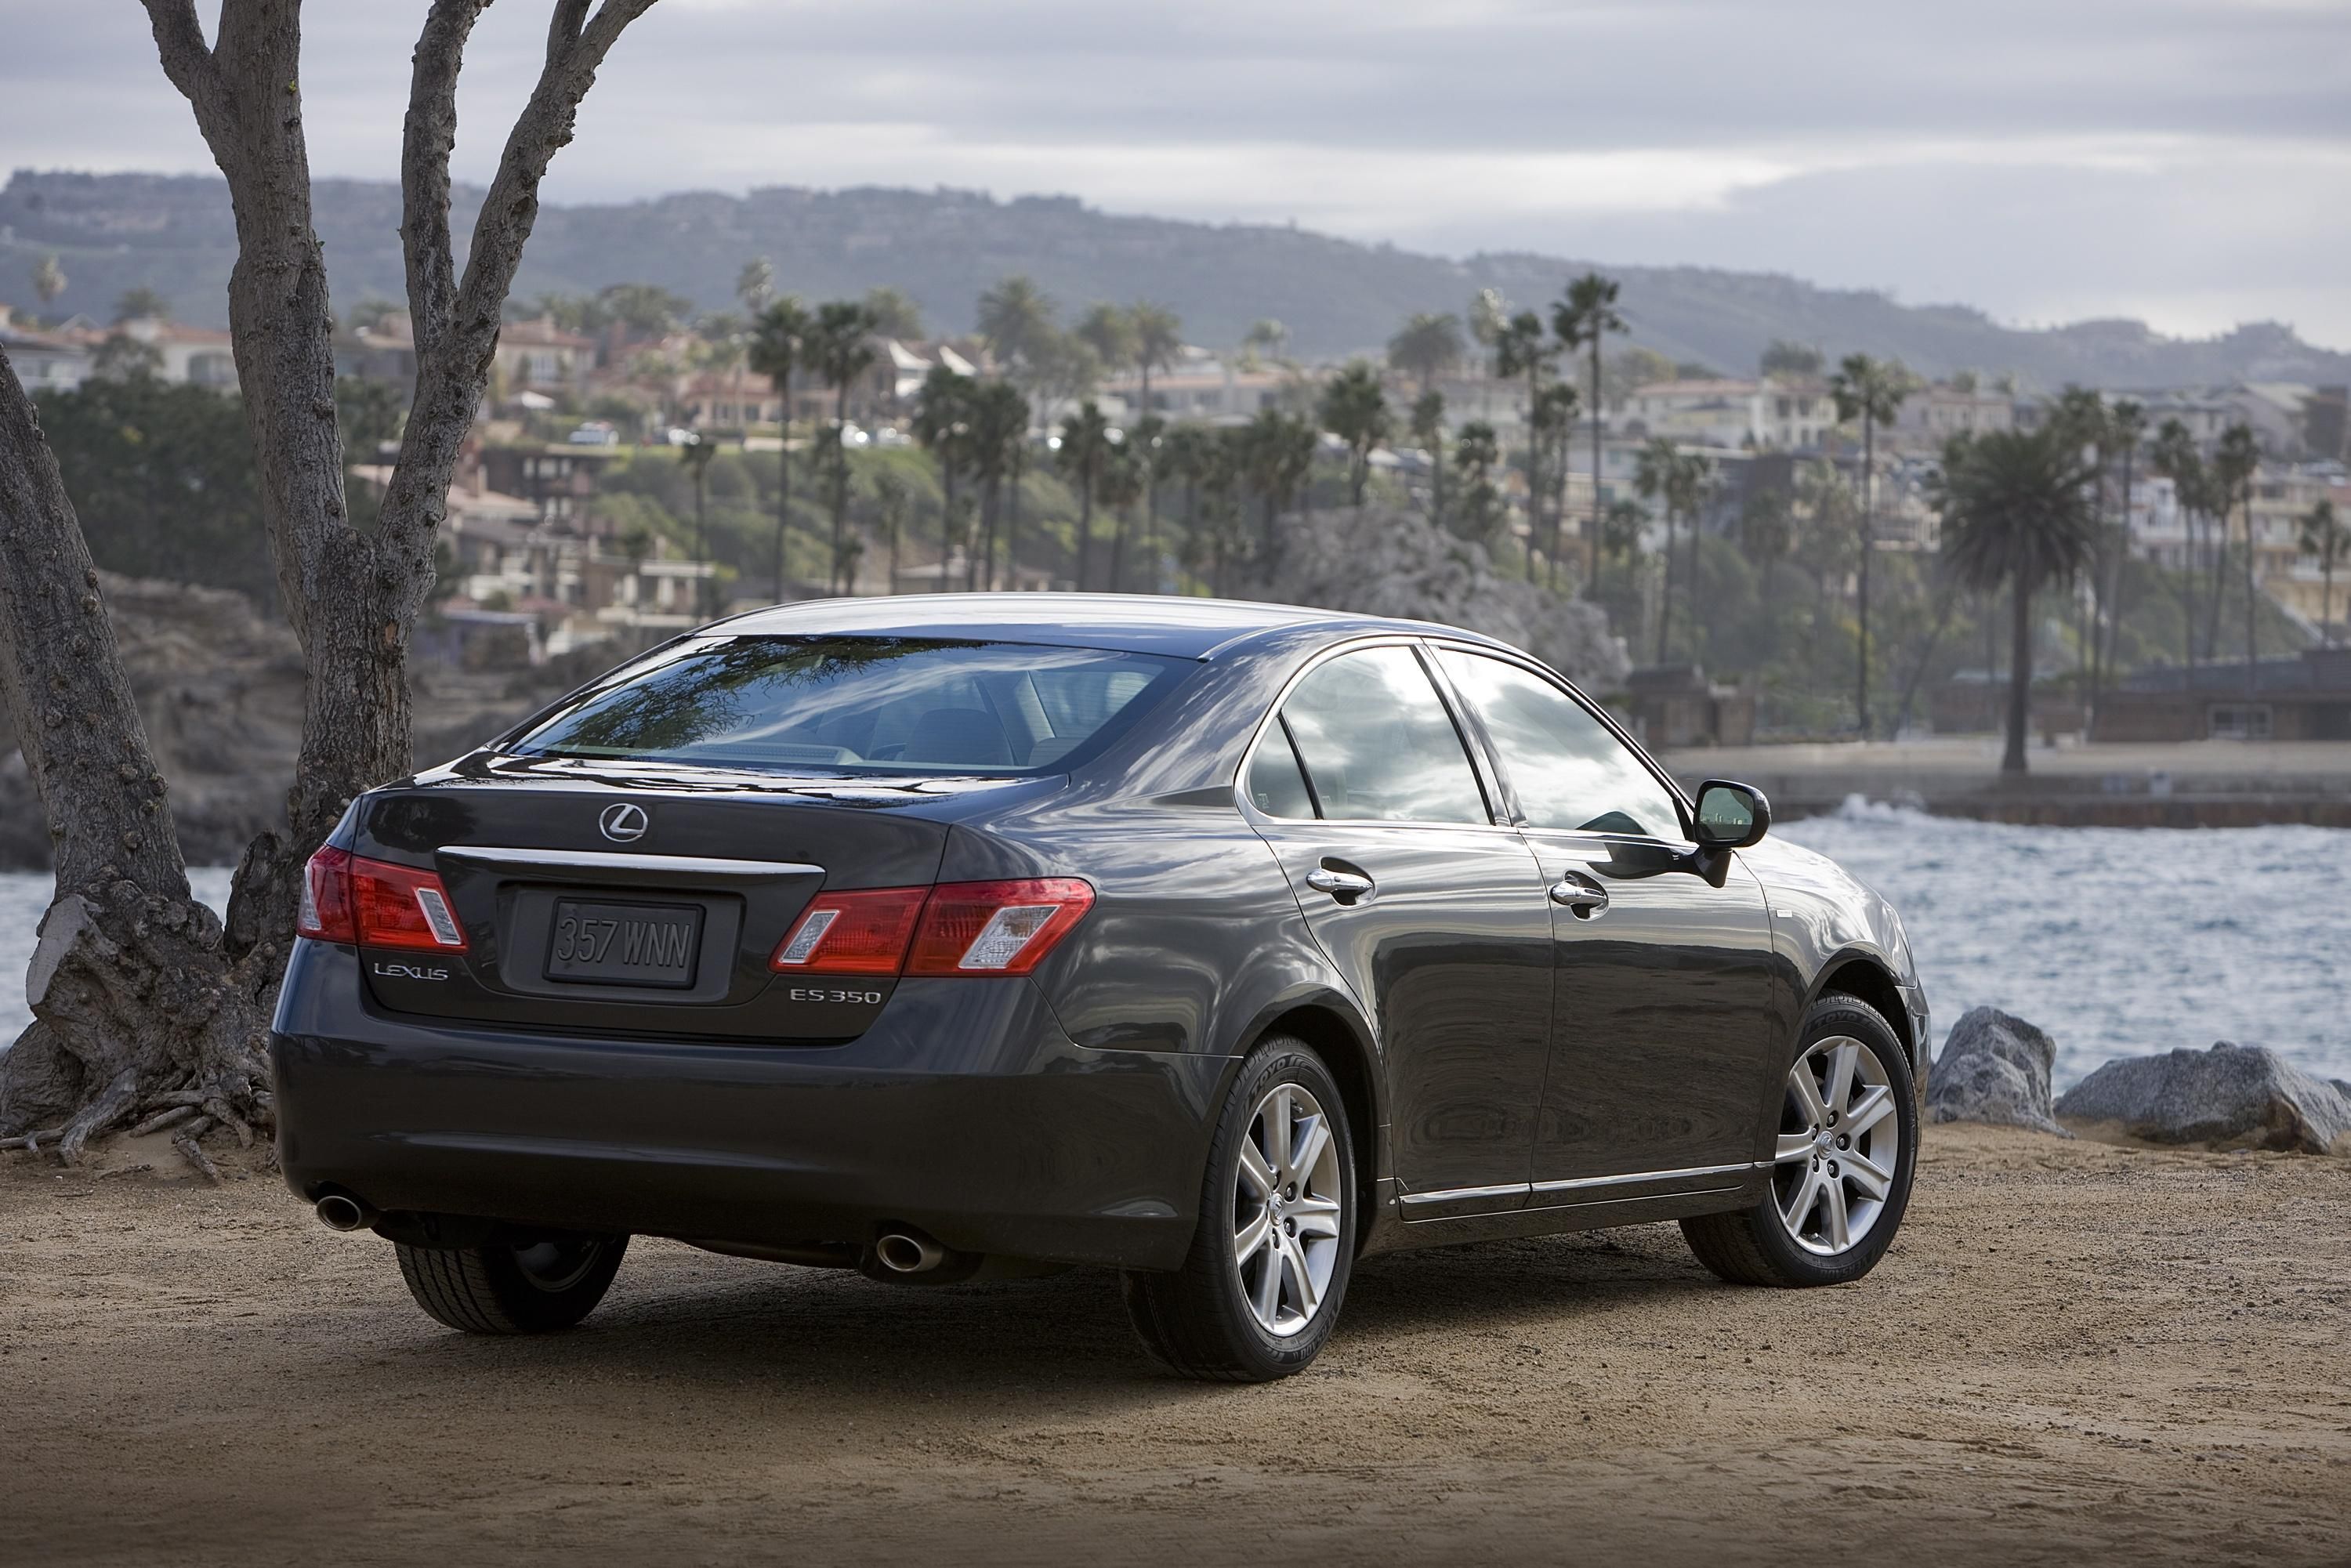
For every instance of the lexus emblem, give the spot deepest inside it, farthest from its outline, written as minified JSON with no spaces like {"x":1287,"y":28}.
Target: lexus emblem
{"x":625,"y":823}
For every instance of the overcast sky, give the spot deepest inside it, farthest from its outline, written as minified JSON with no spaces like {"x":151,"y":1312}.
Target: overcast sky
{"x":2186,"y":163}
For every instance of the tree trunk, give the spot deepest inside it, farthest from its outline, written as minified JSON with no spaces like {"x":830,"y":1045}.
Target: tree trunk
{"x":2187,"y":585}
{"x":1085,"y":522}
{"x":1012,"y":524}
{"x":840,"y":487}
{"x":2106,"y":664}
{"x":1868,"y":531}
{"x":2020,"y":680}
{"x":784,"y":482}
{"x":142,"y":1001}
{"x":1592,"y":545}
{"x":132,"y":990}
{"x":2252,"y":656}
{"x":1666,"y":593}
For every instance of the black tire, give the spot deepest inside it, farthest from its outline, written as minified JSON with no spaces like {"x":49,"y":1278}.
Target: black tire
{"x":1753,"y":1246}
{"x":523,"y":1284}
{"x":1199,"y":1321}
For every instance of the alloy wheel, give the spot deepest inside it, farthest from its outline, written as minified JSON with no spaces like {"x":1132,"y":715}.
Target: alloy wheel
{"x":555,"y":1264}
{"x":1840,"y":1144}
{"x":1287,"y":1209}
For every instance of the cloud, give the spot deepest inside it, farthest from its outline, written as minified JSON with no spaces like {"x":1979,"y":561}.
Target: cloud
{"x":2029,"y":157}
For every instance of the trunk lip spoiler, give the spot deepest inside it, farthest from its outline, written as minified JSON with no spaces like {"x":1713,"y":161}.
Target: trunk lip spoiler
{"x":608,"y":867}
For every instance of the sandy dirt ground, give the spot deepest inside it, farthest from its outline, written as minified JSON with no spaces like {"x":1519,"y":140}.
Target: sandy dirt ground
{"x":2076,"y":1353}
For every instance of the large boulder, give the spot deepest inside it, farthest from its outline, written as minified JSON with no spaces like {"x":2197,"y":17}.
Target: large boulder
{"x":1994,"y":1067}
{"x":2237,"y":1095}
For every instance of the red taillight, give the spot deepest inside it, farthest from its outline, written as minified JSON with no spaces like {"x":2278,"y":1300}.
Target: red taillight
{"x":853,"y":933}
{"x":350,"y":898}
{"x":325,"y":914}
{"x":995,"y":927}
{"x":955,"y":928}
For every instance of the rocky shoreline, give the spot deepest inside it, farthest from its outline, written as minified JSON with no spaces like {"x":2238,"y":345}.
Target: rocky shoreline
{"x":1995,"y":1069}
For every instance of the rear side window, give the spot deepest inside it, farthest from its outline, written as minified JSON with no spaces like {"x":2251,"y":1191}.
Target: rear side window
{"x":1276,"y":784}
{"x":1568,"y":769}
{"x":861,"y":704}
{"x":1377,"y":743}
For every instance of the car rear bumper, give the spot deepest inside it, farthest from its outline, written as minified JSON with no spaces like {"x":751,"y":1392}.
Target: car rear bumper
{"x":965,"y":1112}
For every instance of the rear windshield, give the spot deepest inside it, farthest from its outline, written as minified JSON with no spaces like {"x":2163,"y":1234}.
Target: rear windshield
{"x":861,"y":704}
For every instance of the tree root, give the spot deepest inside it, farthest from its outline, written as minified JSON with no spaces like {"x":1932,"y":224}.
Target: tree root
{"x":31,"y":1142}
{"x":184,"y":1140}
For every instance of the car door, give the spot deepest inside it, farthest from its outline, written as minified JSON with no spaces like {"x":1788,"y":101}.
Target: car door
{"x":1660,"y":1039}
{"x":1434,"y":912}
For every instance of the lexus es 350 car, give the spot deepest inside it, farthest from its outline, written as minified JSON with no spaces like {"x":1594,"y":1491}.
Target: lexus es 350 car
{"x":1223,"y":945}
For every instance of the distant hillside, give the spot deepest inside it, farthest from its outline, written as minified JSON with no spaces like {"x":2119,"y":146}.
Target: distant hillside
{"x":173,"y":234}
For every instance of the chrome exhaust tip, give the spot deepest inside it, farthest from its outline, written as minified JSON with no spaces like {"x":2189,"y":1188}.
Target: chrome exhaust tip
{"x":338,"y":1212}
{"x":902,"y":1252}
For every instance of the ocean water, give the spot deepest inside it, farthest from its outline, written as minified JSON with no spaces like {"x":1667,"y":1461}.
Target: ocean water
{"x":2118,"y":941}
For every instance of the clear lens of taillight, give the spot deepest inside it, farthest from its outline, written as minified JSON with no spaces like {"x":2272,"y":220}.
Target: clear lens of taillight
{"x":861,"y":932}
{"x":400,"y":907}
{"x":325,"y":914}
{"x":995,"y":927}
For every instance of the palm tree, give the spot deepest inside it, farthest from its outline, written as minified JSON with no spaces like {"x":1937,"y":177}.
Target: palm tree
{"x":1355,"y":409}
{"x":892,"y":497}
{"x":842,"y":346}
{"x":1426,"y":346}
{"x":2326,"y":536}
{"x":942,"y":426}
{"x":1267,"y":337}
{"x":1277,"y":454}
{"x":2234,"y":465}
{"x":779,"y":338}
{"x":1428,"y":429}
{"x":2016,"y":509}
{"x":1086,"y":446}
{"x":894,"y":312}
{"x":1476,"y":450}
{"x":1679,"y":480}
{"x":755,"y":285}
{"x":48,"y":279}
{"x":696,"y":455}
{"x":1521,"y":349}
{"x":1000,"y":426}
{"x":1159,"y":333}
{"x":1146,"y":441}
{"x":2176,"y":458}
{"x":1488,"y":314}
{"x":142,"y":304}
{"x":1016,"y":321}
{"x":1120,"y":486}
{"x":1582,"y":319}
{"x":1187,"y":453}
{"x":1108,"y":331}
{"x":1872,"y":391}
{"x":2126,"y":428}
{"x":1554,"y":419}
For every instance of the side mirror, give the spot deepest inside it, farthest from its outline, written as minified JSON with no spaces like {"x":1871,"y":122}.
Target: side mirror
{"x":1730,"y":816}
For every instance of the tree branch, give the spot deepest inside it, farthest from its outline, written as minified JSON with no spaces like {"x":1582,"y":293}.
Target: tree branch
{"x":454,"y":370}
{"x":188,"y":62}
{"x":431,"y":133}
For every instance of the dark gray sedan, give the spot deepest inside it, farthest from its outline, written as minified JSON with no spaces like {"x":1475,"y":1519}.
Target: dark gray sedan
{"x":960,"y":937}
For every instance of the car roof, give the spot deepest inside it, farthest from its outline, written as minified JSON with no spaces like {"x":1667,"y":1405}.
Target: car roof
{"x":1181,"y":627}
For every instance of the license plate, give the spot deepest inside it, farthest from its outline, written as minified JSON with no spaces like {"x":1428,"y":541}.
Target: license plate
{"x":624,"y":944}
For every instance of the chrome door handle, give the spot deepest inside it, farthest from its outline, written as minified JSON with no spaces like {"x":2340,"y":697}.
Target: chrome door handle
{"x":1340,"y":884}
{"x":1585,"y":901}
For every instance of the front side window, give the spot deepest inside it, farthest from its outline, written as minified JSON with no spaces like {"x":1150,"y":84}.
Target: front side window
{"x":861,"y":704}
{"x":1377,"y":744}
{"x":1567,"y":767}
